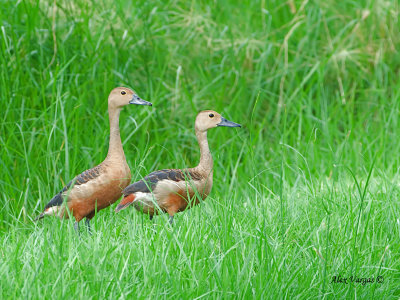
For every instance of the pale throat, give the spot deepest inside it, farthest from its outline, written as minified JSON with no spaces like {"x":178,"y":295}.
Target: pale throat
{"x":115,"y":147}
{"x":206,"y":160}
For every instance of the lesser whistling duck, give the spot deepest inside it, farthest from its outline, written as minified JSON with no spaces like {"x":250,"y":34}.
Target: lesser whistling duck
{"x":102,"y":185}
{"x":172,"y":190}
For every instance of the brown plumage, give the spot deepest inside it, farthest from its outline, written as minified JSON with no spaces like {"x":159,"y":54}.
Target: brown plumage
{"x":98,"y":187}
{"x":173,"y":190}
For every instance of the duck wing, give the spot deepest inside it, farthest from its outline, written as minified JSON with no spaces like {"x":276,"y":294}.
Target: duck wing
{"x":81,"y":179}
{"x":148,"y":184}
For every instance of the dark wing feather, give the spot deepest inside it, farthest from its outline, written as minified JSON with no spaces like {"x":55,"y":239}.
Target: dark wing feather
{"x":148,"y":184}
{"x":82,"y":178}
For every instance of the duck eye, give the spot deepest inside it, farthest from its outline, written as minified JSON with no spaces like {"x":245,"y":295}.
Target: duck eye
{"x":211,"y":115}
{"x":123,"y":93}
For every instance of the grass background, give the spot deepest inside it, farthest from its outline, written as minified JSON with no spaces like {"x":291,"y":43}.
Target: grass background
{"x":308,"y":189}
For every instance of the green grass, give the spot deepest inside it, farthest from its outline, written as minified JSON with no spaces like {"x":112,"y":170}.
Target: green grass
{"x":308,"y":189}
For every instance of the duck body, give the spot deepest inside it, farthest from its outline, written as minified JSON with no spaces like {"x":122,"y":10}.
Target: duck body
{"x":168,"y":190}
{"x":91,"y":191}
{"x":98,"y":187}
{"x":174,"y":190}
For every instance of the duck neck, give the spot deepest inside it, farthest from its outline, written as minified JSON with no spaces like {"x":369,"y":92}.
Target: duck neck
{"x":206,"y":160}
{"x":115,"y":149}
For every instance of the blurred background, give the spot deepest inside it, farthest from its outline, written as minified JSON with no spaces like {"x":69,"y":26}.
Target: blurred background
{"x":316,"y":78}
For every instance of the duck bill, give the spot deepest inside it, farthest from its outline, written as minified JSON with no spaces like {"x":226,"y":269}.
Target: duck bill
{"x":227,"y":123}
{"x":139,"y":101}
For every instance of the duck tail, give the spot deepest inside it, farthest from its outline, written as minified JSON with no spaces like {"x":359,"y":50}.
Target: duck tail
{"x":128,"y":200}
{"x":52,"y":210}
{"x":41,"y":216}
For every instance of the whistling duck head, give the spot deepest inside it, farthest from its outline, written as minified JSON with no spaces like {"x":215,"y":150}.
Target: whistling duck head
{"x":122,"y":96}
{"x":209,"y":119}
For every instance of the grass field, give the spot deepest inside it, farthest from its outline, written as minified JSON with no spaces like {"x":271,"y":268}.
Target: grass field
{"x":307,"y":190}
